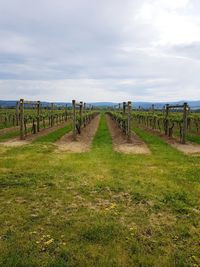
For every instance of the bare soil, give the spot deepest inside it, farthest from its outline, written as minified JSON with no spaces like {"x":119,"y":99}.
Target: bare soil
{"x":84,"y":140}
{"x":120,"y":144}
{"x":188,"y":148}
{"x":31,"y":137}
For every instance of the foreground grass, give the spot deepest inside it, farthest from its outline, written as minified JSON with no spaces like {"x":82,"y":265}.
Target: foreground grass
{"x":99,"y":208}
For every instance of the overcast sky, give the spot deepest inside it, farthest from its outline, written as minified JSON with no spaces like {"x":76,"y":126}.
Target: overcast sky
{"x":106,"y":50}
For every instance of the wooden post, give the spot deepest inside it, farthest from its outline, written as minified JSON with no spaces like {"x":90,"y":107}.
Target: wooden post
{"x":184,"y":132}
{"x":163,"y":110}
{"x":22,"y":133}
{"x":52,"y":117}
{"x":153,"y":107}
{"x":38,"y":116}
{"x":17,"y":113}
{"x":124,"y":107}
{"x":74,"y":119}
{"x":81,"y":113}
{"x":85,"y":112}
{"x":166,"y":119}
{"x":129,"y":122}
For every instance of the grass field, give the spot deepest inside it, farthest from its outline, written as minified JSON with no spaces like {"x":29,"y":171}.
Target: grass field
{"x":99,"y":208}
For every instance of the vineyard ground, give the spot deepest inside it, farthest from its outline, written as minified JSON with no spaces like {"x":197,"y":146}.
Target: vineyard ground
{"x":9,"y":129}
{"x":188,"y":148}
{"x":135,"y":146}
{"x":84,"y":141}
{"x":13,"y":132}
{"x":31,"y":137}
{"x":100,"y":208}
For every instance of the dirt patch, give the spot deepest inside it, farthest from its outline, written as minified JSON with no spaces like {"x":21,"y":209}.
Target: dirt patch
{"x":188,"y":148}
{"x":135,"y":146}
{"x":15,"y":142}
{"x":162,"y":219}
{"x":84,"y":140}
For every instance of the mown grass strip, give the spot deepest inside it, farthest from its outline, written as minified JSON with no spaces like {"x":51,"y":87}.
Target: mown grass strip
{"x":12,"y":134}
{"x":194,"y":138}
{"x":158,"y":146}
{"x":54,"y":136}
{"x":102,"y":139}
{"x":9,"y":135}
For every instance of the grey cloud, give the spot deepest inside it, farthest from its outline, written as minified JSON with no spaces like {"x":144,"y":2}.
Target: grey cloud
{"x":48,"y":42}
{"x":190,"y":51}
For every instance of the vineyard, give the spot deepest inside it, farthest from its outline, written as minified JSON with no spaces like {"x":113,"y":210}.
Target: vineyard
{"x":171,"y":121}
{"x":82,"y":116}
{"x":47,"y":116}
{"x":123,"y":118}
{"x":31,"y":117}
{"x":87,"y":186}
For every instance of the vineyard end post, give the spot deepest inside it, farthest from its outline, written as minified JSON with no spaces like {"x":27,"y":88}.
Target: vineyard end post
{"x":129,"y":122}
{"x":184,"y":133}
{"x":52,"y":118}
{"x":166,"y":119}
{"x":66,"y":113}
{"x":153,"y":108}
{"x":22,"y":133}
{"x":38,"y":116}
{"x":81,"y":113}
{"x":124,"y":107}
{"x":74,"y":119}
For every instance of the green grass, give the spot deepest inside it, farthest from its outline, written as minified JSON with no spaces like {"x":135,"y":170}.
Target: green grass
{"x":54,"y":136}
{"x":99,"y":208}
{"x":194,"y":138}
{"x":7,"y":136}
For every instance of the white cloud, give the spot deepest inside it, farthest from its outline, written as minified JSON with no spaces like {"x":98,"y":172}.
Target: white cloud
{"x":173,"y":25}
{"x":100,"y":50}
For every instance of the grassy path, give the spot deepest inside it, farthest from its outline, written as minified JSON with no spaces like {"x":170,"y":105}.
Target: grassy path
{"x":55,"y":135}
{"x":9,"y":135}
{"x":99,"y":208}
{"x":15,"y":133}
{"x":194,"y":138}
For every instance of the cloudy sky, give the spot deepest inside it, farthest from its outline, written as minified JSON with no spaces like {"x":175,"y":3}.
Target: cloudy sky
{"x":106,"y":50}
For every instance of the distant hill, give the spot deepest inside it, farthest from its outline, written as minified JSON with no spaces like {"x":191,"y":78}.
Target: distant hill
{"x":159,"y":105}
{"x":144,"y":105}
{"x":12,"y":103}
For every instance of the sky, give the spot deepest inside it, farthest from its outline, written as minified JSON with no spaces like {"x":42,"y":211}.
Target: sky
{"x":106,"y":50}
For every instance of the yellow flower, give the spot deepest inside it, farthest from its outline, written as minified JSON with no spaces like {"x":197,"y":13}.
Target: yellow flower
{"x":112,"y":206}
{"x":49,"y":242}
